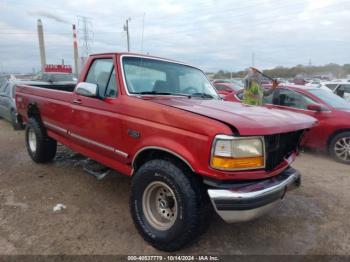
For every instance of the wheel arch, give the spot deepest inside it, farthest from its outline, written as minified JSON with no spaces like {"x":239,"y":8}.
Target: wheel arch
{"x":154,"y":152}
{"x":33,"y":111}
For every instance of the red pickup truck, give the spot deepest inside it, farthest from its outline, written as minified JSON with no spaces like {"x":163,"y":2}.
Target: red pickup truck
{"x":162,"y":123}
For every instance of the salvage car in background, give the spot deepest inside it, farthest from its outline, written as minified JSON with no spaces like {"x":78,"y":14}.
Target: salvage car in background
{"x":330,"y":85}
{"x":8,"y":108}
{"x":227,"y":86}
{"x":331,"y":133}
{"x":343,"y":90}
{"x":7,"y":103}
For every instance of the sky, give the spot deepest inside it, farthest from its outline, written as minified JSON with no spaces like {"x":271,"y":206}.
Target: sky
{"x":210,"y":34}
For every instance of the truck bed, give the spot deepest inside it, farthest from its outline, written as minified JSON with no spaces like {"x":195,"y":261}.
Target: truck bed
{"x":60,"y":87}
{"x":47,"y":98}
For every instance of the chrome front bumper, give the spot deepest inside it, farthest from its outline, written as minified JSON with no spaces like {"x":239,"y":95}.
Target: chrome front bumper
{"x":247,"y":202}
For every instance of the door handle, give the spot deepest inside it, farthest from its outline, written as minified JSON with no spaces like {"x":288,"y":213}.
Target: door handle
{"x":77,"y":101}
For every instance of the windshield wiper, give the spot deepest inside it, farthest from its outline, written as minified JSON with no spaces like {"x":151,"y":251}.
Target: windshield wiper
{"x":202,"y":95}
{"x":161,"y":93}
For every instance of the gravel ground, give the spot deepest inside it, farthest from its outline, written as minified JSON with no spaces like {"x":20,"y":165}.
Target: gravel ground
{"x":311,"y":220}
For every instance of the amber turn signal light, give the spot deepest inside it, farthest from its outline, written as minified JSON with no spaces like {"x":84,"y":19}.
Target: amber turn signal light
{"x":237,"y":163}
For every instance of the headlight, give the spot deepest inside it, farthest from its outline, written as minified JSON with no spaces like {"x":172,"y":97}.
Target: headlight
{"x":238,"y":153}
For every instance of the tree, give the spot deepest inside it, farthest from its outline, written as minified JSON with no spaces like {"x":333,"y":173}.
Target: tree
{"x":336,"y":70}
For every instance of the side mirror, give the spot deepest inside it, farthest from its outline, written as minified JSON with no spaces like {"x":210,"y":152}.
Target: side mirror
{"x":86,"y":89}
{"x":316,"y":107}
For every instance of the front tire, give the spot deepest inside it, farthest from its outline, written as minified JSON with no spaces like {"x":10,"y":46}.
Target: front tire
{"x":339,"y":147}
{"x":166,"y":205}
{"x":40,"y":147}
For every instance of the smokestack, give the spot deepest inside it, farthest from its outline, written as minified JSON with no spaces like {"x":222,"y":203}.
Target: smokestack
{"x":41,"y":45}
{"x":75,"y":50}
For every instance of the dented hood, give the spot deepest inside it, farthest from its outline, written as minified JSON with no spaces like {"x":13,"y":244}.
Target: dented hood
{"x":248,"y":120}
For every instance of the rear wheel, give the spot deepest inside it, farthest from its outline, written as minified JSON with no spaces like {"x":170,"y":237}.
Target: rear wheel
{"x":40,"y":147}
{"x":166,"y":205}
{"x":339,"y":147}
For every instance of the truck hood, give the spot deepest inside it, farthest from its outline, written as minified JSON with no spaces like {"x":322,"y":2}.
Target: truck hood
{"x":248,"y":120}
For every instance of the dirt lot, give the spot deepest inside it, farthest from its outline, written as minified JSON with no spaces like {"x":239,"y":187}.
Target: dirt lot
{"x":312,"y":220}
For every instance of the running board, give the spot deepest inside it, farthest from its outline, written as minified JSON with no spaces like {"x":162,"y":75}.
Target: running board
{"x":96,"y":169}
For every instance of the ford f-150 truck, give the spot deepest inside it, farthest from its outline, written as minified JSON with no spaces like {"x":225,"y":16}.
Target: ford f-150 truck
{"x":187,"y":151}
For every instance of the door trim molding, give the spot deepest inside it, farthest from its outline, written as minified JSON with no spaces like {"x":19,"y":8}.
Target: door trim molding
{"x":84,"y":139}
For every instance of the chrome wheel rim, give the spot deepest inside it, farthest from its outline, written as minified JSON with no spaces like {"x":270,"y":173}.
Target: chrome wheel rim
{"x":32,"y":140}
{"x":159,"y":205}
{"x":342,"y":148}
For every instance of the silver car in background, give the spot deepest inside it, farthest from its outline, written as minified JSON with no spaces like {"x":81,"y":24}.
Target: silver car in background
{"x":7,"y":103}
{"x":343,"y":90}
{"x":8,"y":108}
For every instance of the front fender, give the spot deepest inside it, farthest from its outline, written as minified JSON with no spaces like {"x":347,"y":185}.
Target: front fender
{"x":170,"y":146}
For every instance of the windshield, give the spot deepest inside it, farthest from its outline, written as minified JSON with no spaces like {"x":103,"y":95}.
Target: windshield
{"x":331,"y":99}
{"x":150,"y":76}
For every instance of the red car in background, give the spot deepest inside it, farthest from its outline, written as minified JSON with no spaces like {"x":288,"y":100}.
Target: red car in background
{"x":226,"y":87}
{"x":331,"y":133}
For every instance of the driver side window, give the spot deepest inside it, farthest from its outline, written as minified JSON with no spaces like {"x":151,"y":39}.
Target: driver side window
{"x":292,"y":99}
{"x":268,"y":99}
{"x":100,"y":73}
{"x":112,"y":89}
{"x":346,"y":88}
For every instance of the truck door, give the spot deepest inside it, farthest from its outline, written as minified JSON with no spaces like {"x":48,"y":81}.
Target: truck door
{"x":95,"y":123}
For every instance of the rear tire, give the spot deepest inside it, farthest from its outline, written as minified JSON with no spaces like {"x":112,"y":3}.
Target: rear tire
{"x":40,"y":147}
{"x":339,"y":147}
{"x":14,"y":121}
{"x":167,"y":207}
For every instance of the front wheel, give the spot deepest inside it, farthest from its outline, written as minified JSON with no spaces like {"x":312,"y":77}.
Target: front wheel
{"x":166,"y":205}
{"x":339,"y":147}
{"x":40,"y":147}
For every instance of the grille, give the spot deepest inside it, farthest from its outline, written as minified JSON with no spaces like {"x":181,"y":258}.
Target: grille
{"x":280,"y":146}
